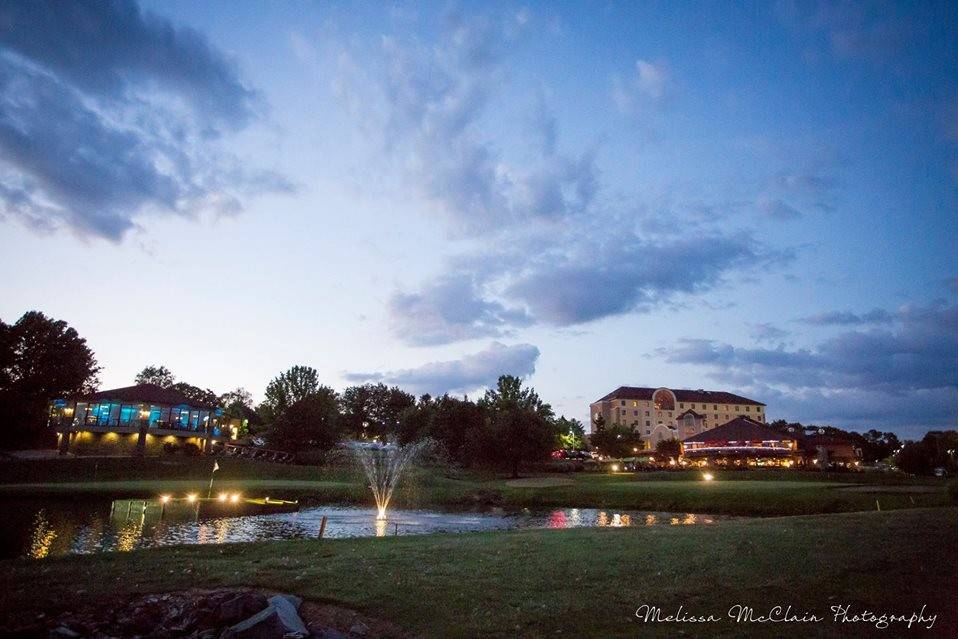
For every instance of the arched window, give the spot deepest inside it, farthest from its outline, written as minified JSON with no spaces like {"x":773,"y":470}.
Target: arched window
{"x":663,"y":400}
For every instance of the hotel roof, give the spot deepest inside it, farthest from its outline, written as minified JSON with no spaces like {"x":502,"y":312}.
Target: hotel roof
{"x":682,"y":395}
{"x":740,"y":429}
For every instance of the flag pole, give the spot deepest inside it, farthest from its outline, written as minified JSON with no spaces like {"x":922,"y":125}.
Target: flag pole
{"x":216,"y":467}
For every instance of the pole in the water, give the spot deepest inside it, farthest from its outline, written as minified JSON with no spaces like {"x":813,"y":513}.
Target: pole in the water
{"x":216,"y":467}
{"x":322,"y":527}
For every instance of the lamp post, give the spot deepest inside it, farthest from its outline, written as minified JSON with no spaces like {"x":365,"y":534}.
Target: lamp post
{"x":216,"y":467}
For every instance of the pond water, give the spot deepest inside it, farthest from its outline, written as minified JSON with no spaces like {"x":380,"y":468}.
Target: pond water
{"x":44,"y":528}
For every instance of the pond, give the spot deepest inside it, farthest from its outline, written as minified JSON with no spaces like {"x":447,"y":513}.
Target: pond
{"x":42,"y":528}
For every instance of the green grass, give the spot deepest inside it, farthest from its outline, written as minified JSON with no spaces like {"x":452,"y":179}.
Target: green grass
{"x":585,"y":582}
{"x":763,"y":493}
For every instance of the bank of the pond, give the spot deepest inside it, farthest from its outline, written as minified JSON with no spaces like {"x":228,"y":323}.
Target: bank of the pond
{"x":573,"y":582}
{"x":747,"y":493}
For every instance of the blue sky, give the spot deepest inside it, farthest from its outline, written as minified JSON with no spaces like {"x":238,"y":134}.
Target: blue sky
{"x":751,"y":197}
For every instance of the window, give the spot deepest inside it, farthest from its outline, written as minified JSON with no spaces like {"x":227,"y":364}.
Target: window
{"x":681,"y":405}
{"x":736,"y":408}
{"x":648,"y":423}
{"x":714,"y":406}
{"x":128,"y":414}
{"x":635,"y":413}
{"x":623,"y":402}
{"x":747,"y":409}
{"x":634,"y":404}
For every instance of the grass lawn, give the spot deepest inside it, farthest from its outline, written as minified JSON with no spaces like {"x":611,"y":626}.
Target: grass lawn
{"x":763,"y":493}
{"x":586,"y":582}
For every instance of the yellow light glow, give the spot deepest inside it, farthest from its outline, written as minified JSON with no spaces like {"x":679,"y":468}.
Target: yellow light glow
{"x":707,"y":476}
{"x":615,"y":468}
{"x":191,"y":497}
{"x":234,"y":498}
{"x":164,"y":499}
{"x":222,"y":496}
{"x":635,"y":450}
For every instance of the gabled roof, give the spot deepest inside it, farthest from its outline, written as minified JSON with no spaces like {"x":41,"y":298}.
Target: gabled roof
{"x":740,"y":429}
{"x":144,"y":393}
{"x":689,"y":412}
{"x":682,"y":395}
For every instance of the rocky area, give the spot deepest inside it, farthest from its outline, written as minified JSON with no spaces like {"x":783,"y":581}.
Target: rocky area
{"x":209,"y":614}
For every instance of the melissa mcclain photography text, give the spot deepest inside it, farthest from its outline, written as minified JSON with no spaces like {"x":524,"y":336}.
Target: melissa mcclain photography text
{"x":837,"y":614}
{"x":405,"y":319}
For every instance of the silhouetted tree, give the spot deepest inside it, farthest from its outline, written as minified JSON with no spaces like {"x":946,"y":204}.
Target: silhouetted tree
{"x":197,"y":395}
{"x":374,"y":410}
{"x":311,"y":422}
{"x":159,"y":375}
{"x":286,"y":389}
{"x":668,"y":448}
{"x":614,"y":440}
{"x":40,"y":359}
{"x":519,"y":423}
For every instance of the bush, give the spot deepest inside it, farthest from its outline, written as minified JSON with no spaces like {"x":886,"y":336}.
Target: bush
{"x":953,"y":492}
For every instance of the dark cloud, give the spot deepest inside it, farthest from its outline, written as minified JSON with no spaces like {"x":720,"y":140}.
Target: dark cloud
{"x":626,"y":273}
{"x":467,"y":374}
{"x":920,"y":354}
{"x":846,"y":318}
{"x":108,"y":113}
{"x":449,"y":310}
{"x":109,"y":48}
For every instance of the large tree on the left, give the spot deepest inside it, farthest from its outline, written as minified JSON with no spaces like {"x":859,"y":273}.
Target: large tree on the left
{"x":40,"y":359}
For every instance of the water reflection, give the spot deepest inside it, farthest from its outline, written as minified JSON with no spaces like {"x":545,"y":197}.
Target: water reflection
{"x":50,"y":528}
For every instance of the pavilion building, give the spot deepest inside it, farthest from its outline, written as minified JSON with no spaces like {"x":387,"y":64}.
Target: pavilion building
{"x":138,"y":420}
{"x":743,"y":442}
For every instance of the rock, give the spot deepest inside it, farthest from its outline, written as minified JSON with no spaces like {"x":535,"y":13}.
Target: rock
{"x":265,"y":624}
{"x":358,"y":629}
{"x":62,"y":632}
{"x":329,"y":633}
{"x":240,"y":607}
{"x":293,"y":599}
{"x":286,"y":609}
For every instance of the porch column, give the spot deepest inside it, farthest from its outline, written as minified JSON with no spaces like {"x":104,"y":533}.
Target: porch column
{"x":140,"y":450}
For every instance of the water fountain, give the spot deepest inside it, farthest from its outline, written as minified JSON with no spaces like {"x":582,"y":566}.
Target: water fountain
{"x":383,"y":467}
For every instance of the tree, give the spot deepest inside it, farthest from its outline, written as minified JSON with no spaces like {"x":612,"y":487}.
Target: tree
{"x":197,"y":395}
{"x":309,"y":422}
{"x":159,"y":375}
{"x":571,"y":433}
{"x":668,"y":448}
{"x":936,"y":449}
{"x":459,"y":425}
{"x":519,"y":423}
{"x":238,"y":404}
{"x":374,"y":411}
{"x":286,"y":389}
{"x":614,"y":440}
{"x":416,"y":421}
{"x":40,"y":359}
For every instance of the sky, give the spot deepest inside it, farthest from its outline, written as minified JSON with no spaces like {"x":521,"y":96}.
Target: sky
{"x":753,"y":197}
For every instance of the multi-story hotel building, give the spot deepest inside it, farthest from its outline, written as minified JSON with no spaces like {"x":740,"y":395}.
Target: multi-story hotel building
{"x":659,"y":414}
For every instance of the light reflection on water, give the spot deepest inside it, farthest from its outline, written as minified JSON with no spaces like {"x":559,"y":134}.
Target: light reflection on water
{"x":58,"y":530}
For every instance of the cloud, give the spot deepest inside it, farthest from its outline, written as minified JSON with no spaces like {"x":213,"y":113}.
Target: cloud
{"x":845,"y":318}
{"x":426,"y":103}
{"x":646,"y":88}
{"x":450,"y":309}
{"x":777,"y":209}
{"x":467,"y":374}
{"x":766,"y":332}
{"x":916,"y":359}
{"x":566,"y":281}
{"x":108,"y":113}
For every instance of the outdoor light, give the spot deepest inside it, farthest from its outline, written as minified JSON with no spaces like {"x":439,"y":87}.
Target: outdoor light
{"x":222,"y":496}
{"x":191,"y":497}
{"x":615,"y":468}
{"x":164,"y":499}
{"x":234,"y":498}
{"x":635,"y":450}
{"x":707,"y":476}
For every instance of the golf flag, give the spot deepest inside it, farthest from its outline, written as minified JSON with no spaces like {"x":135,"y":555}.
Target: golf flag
{"x":216,"y":466}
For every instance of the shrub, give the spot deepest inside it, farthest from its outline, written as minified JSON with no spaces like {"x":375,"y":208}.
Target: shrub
{"x":953,"y":492}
